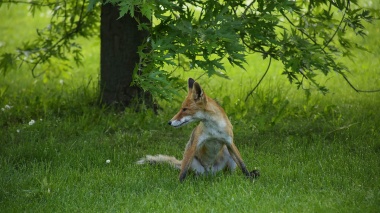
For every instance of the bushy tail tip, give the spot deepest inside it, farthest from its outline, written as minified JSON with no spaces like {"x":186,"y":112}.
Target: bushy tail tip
{"x":160,"y":159}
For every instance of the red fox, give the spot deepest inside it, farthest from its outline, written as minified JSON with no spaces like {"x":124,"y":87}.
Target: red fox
{"x":211,"y":147}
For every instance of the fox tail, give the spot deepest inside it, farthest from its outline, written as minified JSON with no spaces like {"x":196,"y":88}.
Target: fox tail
{"x":160,"y":159}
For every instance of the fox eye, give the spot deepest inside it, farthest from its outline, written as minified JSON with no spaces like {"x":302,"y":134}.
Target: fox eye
{"x":184,"y":109}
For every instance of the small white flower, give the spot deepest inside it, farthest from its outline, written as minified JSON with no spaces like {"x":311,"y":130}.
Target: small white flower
{"x":31,"y":122}
{"x":61,"y":81}
{"x":7,"y":106}
{"x":2,"y":109}
{"x":40,"y":119}
{"x":18,"y":131}
{"x":108,"y":161}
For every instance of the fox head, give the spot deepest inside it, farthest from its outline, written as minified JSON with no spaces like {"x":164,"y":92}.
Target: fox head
{"x":192,"y":107}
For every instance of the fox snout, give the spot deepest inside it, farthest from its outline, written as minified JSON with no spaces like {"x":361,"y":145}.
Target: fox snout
{"x":180,"y":122}
{"x":175,"y":123}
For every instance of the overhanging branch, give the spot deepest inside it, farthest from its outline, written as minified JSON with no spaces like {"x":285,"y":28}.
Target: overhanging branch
{"x":261,"y":79}
{"x":358,"y":90}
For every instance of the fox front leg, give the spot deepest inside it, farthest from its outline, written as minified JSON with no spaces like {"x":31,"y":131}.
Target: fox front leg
{"x":186,"y":161}
{"x":235,"y":154}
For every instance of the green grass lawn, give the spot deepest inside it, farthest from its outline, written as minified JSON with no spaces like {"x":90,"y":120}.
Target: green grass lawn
{"x":320,"y":154}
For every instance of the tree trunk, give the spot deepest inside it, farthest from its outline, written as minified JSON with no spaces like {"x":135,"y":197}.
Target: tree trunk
{"x":120,"y":39}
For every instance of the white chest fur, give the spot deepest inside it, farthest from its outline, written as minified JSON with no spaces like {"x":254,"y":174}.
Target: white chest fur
{"x":214,"y":132}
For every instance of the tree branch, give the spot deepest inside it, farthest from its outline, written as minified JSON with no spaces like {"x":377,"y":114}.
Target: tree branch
{"x":261,"y":79}
{"x":26,"y":2}
{"x":68,"y":34}
{"x":358,"y":90}
{"x":340,"y":24}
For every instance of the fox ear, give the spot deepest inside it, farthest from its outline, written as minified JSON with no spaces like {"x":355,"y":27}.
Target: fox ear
{"x":190,"y":83}
{"x":197,"y":91}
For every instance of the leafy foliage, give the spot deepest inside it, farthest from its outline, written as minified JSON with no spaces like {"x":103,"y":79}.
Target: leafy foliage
{"x":56,"y":42}
{"x":306,"y":36}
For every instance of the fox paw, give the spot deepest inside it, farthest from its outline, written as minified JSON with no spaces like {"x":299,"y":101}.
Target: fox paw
{"x":254,"y":173}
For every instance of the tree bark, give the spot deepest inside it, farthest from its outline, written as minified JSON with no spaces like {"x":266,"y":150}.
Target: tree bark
{"x":120,"y":39}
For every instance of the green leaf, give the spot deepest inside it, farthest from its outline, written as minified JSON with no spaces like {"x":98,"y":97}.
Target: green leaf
{"x":7,"y":62}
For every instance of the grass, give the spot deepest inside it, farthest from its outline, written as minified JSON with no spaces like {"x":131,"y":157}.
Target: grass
{"x":316,"y":155}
